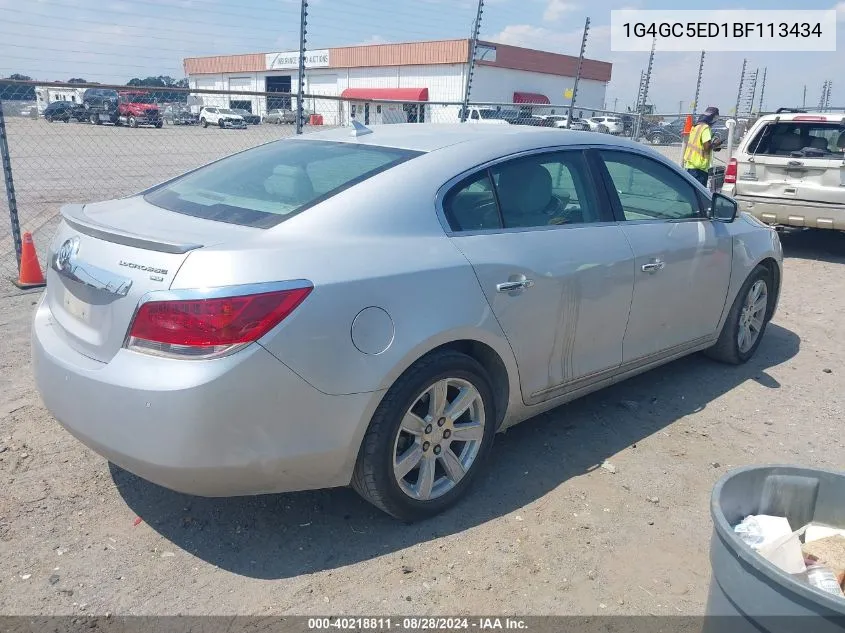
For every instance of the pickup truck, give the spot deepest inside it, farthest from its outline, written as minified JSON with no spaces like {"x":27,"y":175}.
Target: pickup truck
{"x":129,"y":107}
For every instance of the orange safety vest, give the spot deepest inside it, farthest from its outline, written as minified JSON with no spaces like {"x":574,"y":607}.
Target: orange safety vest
{"x":694,"y":156}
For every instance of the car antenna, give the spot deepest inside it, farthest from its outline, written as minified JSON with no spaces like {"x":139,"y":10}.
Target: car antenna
{"x":359,"y":129}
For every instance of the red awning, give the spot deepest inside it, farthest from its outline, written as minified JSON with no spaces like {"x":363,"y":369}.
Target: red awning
{"x":530,"y":97}
{"x":387,"y":94}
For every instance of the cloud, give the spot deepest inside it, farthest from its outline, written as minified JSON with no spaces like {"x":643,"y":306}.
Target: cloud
{"x":556,"y":41}
{"x":556,"y":9}
{"x":840,"y":12}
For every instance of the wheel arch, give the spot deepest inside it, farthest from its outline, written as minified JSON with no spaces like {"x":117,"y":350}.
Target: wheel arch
{"x":493,"y":354}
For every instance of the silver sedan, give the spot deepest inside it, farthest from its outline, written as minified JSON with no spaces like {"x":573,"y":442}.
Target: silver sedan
{"x":369,"y":307}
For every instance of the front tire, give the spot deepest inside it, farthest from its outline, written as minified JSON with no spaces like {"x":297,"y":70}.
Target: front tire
{"x":656,"y":139}
{"x":204,"y":123}
{"x":747,"y":320}
{"x":428,"y":438}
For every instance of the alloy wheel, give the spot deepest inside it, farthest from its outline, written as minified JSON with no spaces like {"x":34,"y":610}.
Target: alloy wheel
{"x":752,"y":316}
{"x":439,"y":439}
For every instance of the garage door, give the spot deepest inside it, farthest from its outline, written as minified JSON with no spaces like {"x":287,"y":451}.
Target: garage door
{"x":208,"y":99}
{"x":323,"y":85}
{"x":244,"y":101}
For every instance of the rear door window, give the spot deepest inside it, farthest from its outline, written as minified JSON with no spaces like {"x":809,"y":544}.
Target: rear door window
{"x":266,"y":185}
{"x":811,"y":139}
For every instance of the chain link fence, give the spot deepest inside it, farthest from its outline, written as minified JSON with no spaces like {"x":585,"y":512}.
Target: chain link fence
{"x":85,"y":143}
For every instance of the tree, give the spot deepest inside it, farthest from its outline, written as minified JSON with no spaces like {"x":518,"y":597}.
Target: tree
{"x":162,"y":81}
{"x":77,"y":80}
{"x":19,"y":77}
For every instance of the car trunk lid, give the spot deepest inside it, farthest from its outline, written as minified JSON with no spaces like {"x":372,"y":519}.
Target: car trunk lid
{"x":800,"y":178}
{"x":105,"y":257}
{"x":796,"y":159}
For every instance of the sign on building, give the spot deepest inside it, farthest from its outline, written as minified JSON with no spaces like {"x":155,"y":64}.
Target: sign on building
{"x":313,"y":59}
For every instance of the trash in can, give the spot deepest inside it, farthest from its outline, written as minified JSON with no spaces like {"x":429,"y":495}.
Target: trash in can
{"x":764,"y":578}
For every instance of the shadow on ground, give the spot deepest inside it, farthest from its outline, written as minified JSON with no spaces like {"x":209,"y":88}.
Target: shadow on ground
{"x":817,"y":245}
{"x":279,"y":536}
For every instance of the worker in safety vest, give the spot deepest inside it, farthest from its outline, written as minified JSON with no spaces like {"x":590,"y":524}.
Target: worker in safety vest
{"x":700,"y":146}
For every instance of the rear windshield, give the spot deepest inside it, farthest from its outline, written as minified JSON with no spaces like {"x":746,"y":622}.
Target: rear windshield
{"x":264,"y":186}
{"x":804,"y":137}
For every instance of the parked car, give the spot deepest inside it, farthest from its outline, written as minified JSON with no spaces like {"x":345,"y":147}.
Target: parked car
{"x":247,"y":116}
{"x":533,"y":120}
{"x":280,"y":115}
{"x":257,"y":325}
{"x":787,"y":170}
{"x":63,"y":111}
{"x":100,"y":105}
{"x":124,"y":107}
{"x":606,"y":124}
{"x":666,"y":133}
{"x":180,"y":115}
{"x":222,"y":117}
{"x":559,"y":121}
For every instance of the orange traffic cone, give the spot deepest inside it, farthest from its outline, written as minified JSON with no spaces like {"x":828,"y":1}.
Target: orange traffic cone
{"x":687,"y":125}
{"x":30,"y":275}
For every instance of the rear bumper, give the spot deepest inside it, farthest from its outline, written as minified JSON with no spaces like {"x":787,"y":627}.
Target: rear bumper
{"x":237,"y":125}
{"x":244,"y":424}
{"x":792,"y":212}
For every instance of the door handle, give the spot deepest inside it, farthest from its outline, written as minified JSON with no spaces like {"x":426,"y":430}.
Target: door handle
{"x":510,"y":286}
{"x":653,"y":267}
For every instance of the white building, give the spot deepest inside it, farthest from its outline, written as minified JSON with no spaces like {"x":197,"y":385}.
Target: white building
{"x":408,"y":73}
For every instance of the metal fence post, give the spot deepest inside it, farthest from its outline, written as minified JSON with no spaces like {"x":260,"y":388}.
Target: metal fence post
{"x":303,"y":21}
{"x":578,"y":74}
{"x":10,"y":186}
{"x":473,"y":48}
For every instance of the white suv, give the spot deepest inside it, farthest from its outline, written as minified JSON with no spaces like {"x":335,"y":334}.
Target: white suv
{"x":789,"y":170}
{"x":222,"y":117}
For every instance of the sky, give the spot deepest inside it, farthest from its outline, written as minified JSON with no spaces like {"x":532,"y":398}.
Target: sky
{"x":115,"y":40}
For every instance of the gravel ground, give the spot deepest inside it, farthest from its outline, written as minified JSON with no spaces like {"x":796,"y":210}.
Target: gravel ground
{"x":546,"y":531}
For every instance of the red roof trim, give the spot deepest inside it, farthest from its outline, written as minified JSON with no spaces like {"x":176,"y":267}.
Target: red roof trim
{"x":530,"y":97}
{"x":387,"y":94}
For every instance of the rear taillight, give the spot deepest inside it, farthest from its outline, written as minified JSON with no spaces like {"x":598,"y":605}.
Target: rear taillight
{"x":810,"y":118}
{"x":730,"y":172}
{"x":209,"y":327}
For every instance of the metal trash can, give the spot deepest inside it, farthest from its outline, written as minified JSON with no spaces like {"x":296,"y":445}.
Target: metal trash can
{"x":748,"y":594}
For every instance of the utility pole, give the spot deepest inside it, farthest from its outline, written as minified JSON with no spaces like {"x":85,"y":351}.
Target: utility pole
{"x":804,"y":100}
{"x":739,"y":90}
{"x":762,"y":91}
{"x":615,"y":103}
{"x":473,"y":46}
{"x":698,"y":84}
{"x":578,"y":72}
{"x":303,"y":22}
{"x":827,"y":96}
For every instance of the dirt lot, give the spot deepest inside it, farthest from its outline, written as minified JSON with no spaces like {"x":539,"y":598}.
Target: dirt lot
{"x":546,"y":532}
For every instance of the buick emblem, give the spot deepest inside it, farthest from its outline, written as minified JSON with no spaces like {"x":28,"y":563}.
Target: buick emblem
{"x":67,"y":253}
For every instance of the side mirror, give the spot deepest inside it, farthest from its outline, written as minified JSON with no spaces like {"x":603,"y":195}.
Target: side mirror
{"x":723,"y":208}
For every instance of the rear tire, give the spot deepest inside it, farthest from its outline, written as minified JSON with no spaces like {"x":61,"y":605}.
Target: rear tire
{"x":731,"y":348}
{"x":94,"y":119}
{"x":204,"y":123}
{"x":453,"y":464}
